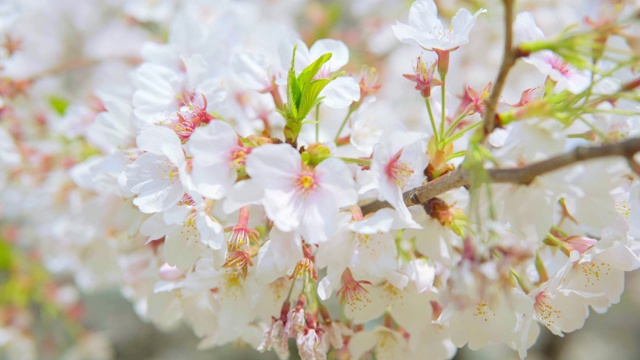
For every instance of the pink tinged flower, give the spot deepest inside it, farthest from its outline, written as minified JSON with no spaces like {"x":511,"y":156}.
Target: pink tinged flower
{"x":528,"y":96}
{"x":473,"y":101}
{"x":426,"y":30}
{"x":598,"y":275}
{"x":217,"y":154}
{"x":352,"y":291}
{"x":558,"y":312}
{"x":191,"y":115}
{"x":310,"y":346}
{"x":423,"y":76}
{"x":158,"y":175}
{"x":301,"y":198}
{"x":296,"y":321}
{"x":397,"y":165}
{"x":580,"y":243}
{"x":566,"y":76}
{"x":368,"y":81}
{"x":274,"y":337}
{"x":162,"y":90}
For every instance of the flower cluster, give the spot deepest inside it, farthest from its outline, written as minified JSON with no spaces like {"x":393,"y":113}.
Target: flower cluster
{"x":235,"y":179}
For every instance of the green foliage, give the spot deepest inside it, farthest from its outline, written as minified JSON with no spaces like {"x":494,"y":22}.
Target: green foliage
{"x":303,"y":94}
{"x":59,"y":104}
{"x":315,"y":154}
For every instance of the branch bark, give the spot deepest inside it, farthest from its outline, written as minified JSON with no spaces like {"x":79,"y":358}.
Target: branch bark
{"x":508,"y":60}
{"x":522,"y":175}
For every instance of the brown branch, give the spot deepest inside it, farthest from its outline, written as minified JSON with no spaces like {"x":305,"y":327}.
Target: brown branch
{"x":522,"y":175}
{"x":508,"y":60}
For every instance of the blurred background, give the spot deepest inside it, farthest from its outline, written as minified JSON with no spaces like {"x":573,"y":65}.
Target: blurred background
{"x":613,"y":335}
{"x":60,"y":284}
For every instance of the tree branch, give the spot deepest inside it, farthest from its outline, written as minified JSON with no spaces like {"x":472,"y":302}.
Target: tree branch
{"x":522,"y":175}
{"x":508,"y":60}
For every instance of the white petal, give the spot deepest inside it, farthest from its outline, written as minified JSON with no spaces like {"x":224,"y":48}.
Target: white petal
{"x":252,"y":70}
{"x":243,"y":193}
{"x":525,"y":29}
{"x":155,"y":227}
{"x":341,"y":92}
{"x":156,"y":138}
{"x":424,"y":15}
{"x":156,"y":95}
{"x":462,"y":23}
{"x":211,"y":145}
{"x":211,"y":232}
{"x":320,"y":217}
{"x":409,"y":35}
{"x":339,"y":52}
{"x":273,"y":164}
{"x":181,"y":250}
{"x":335,"y":177}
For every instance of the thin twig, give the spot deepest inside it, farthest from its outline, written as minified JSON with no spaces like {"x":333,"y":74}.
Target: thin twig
{"x":522,"y":175}
{"x":508,"y":60}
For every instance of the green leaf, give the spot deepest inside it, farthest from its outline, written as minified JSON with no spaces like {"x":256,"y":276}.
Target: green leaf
{"x":294,"y":93}
{"x":302,"y":94}
{"x":306,"y":76}
{"x":5,"y":255}
{"x":58,"y":104}
{"x":310,"y":96}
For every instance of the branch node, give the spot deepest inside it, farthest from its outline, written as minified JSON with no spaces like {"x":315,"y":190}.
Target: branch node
{"x":414,"y":198}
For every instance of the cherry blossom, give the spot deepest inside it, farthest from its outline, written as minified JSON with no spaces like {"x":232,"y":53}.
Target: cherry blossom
{"x":158,"y":175}
{"x":549,"y":63}
{"x":297,"y":197}
{"x":426,"y":30}
{"x":217,"y":155}
{"x":181,"y":153}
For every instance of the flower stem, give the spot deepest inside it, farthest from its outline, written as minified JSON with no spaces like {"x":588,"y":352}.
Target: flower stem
{"x":277,"y":99}
{"x":344,"y":122}
{"x":364,"y":162}
{"x":457,"y":155}
{"x":443,"y":107}
{"x":318,"y":123}
{"x":459,"y":134}
{"x":433,"y":121}
{"x":455,"y":123}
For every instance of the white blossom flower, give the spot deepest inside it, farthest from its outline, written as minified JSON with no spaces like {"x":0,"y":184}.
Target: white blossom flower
{"x":186,"y":229}
{"x":158,"y":175}
{"x":565,"y":74}
{"x":426,"y":30}
{"x":217,"y":153}
{"x":384,"y":342}
{"x":398,"y":163}
{"x":298,"y":197}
